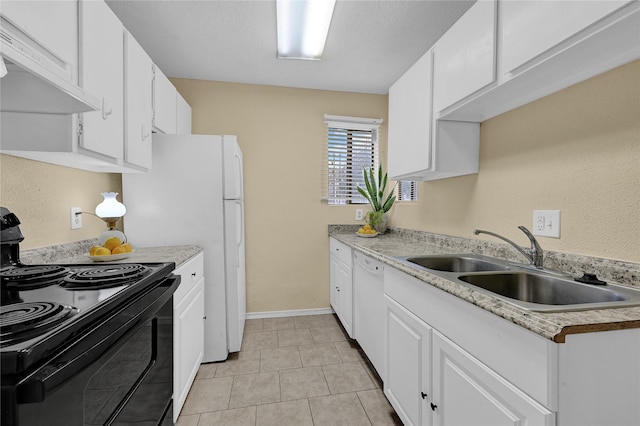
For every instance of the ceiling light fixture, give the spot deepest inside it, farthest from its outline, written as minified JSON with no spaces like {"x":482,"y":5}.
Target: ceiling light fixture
{"x":303,"y":26}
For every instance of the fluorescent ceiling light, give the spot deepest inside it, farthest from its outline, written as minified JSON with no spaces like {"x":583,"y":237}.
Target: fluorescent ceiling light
{"x":302,"y":27}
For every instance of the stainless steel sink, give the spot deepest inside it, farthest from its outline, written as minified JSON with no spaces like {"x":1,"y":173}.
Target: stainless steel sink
{"x":456,"y":263}
{"x":541,"y":292}
{"x":525,"y":287}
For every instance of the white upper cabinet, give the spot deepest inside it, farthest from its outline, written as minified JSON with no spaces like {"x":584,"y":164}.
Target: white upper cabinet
{"x":183,"y":116}
{"x":102,"y":73}
{"x":532,"y":27}
{"x":420,"y":147}
{"x":546,"y":46}
{"x":409,"y":130}
{"x":52,"y":23}
{"x":164,"y":103}
{"x":465,"y":56}
{"x":138,"y":108}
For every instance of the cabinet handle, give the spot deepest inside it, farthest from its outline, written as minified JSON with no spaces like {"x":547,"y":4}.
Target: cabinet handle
{"x":338,"y":288}
{"x":193,"y":274}
{"x":424,"y":395}
{"x":433,"y":406}
{"x":106,"y":109}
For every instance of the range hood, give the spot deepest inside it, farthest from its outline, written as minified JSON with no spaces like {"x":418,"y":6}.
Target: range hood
{"x":37,"y":81}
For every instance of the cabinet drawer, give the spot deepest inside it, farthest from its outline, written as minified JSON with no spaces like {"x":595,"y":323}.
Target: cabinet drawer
{"x":190,"y":273}
{"x":341,"y":251}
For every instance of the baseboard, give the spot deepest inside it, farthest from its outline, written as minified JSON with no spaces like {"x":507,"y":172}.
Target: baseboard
{"x":295,"y":313}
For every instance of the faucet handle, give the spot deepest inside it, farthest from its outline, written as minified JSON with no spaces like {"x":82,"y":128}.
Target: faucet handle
{"x":535,"y":250}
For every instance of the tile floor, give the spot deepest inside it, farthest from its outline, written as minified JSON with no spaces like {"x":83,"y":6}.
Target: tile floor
{"x":291,"y":371}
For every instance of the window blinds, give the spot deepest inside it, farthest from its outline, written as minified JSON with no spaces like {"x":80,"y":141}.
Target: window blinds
{"x":407,"y":190}
{"x":352,"y":146}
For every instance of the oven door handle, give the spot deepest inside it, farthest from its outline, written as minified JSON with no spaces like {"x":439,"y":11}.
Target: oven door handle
{"x":66,"y":366}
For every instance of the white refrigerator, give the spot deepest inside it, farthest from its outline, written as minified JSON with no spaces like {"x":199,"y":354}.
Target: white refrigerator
{"x":194,"y":195}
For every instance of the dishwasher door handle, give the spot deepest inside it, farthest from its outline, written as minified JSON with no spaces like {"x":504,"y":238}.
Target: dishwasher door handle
{"x":368,"y":264}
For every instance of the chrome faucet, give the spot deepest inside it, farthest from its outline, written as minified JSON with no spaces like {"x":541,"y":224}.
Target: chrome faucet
{"x":534,"y":254}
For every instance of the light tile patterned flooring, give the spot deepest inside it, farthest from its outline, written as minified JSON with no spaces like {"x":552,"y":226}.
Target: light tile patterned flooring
{"x":292,"y":371}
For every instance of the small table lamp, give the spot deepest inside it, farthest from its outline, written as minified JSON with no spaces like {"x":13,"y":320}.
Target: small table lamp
{"x":110,"y":210}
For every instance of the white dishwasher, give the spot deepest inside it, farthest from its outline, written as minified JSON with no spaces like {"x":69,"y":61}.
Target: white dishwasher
{"x":368,"y":305}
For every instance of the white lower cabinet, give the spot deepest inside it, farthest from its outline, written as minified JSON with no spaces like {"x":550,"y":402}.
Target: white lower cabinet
{"x":467,"y":392}
{"x":188,"y":329}
{"x":341,"y":282}
{"x":407,"y":379}
{"x":430,"y":380}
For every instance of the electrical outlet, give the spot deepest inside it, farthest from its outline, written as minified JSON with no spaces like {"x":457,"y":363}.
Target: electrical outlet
{"x":546,"y":223}
{"x":359,"y":214}
{"x":76,"y":218}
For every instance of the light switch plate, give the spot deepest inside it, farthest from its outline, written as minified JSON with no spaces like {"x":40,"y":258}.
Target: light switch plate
{"x":359,"y":214}
{"x":546,"y":223}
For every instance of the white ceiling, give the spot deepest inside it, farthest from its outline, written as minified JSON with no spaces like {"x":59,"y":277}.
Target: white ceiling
{"x":371,"y":43}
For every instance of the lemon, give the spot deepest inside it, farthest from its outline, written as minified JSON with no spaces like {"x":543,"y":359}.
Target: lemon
{"x":367,"y":227}
{"x":127,"y":247}
{"x":119,"y":249}
{"x":102,"y":251}
{"x":112,"y":243}
{"x":93,"y":249}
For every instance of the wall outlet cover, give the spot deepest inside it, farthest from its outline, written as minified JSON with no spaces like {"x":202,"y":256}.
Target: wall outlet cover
{"x":546,"y":223}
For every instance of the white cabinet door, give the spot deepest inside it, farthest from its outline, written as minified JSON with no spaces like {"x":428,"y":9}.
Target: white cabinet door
{"x":138,"y":108}
{"x":341,"y":285}
{"x":407,"y":379}
{"x":532,"y":27}
{"x":466,"y":392}
{"x":54,"y":24}
{"x":102,"y":74}
{"x":368,"y":308}
{"x":183,"y":119}
{"x":345,"y":297}
{"x":410,"y":120}
{"x":465,"y":56}
{"x":188,"y":338}
{"x":164,"y":103}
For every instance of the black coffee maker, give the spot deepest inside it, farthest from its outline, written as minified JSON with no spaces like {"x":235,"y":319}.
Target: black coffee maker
{"x":10,"y":238}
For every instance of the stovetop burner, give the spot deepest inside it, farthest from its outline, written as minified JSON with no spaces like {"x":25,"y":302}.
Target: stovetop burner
{"x":23,"y":320}
{"x":31,"y":277}
{"x":105,"y":276}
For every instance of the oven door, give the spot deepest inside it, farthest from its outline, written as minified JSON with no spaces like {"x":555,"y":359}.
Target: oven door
{"x":121,"y":372}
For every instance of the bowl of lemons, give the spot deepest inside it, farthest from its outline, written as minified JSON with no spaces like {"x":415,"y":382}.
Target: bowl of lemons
{"x":366,"y":231}
{"x":112,"y":249}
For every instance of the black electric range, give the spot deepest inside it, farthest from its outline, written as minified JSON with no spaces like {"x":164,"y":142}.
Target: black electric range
{"x":88,"y":344}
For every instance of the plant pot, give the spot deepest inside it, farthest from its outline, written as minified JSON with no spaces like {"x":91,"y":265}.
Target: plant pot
{"x":379,"y":222}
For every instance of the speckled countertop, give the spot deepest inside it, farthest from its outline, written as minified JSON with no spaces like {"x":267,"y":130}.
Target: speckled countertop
{"x":554,"y":326}
{"x":76,"y":253}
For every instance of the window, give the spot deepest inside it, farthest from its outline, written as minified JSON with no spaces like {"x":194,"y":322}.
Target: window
{"x":352,"y":146}
{"x":407,"y":190}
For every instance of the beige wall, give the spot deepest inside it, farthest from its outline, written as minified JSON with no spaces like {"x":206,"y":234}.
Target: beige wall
{"x":577,"y":150}
{"x":282,"y":134}
{"x":41,"y":195}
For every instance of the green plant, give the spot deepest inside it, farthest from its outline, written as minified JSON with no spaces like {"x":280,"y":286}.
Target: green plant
{"x":374,"y":192}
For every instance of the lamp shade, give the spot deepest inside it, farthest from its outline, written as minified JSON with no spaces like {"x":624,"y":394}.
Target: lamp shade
{"x":110,"y":207}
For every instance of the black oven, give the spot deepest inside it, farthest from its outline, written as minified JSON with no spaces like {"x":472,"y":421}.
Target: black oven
{"x":91,"y":346}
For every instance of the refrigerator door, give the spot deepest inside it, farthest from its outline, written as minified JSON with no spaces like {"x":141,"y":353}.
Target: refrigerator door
{"x":180,"y":202}
{"x":235,"y":272}
{"x":233,"y":178}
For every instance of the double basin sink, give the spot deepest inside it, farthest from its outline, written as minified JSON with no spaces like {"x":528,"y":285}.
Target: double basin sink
{"x":529,"y":289}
